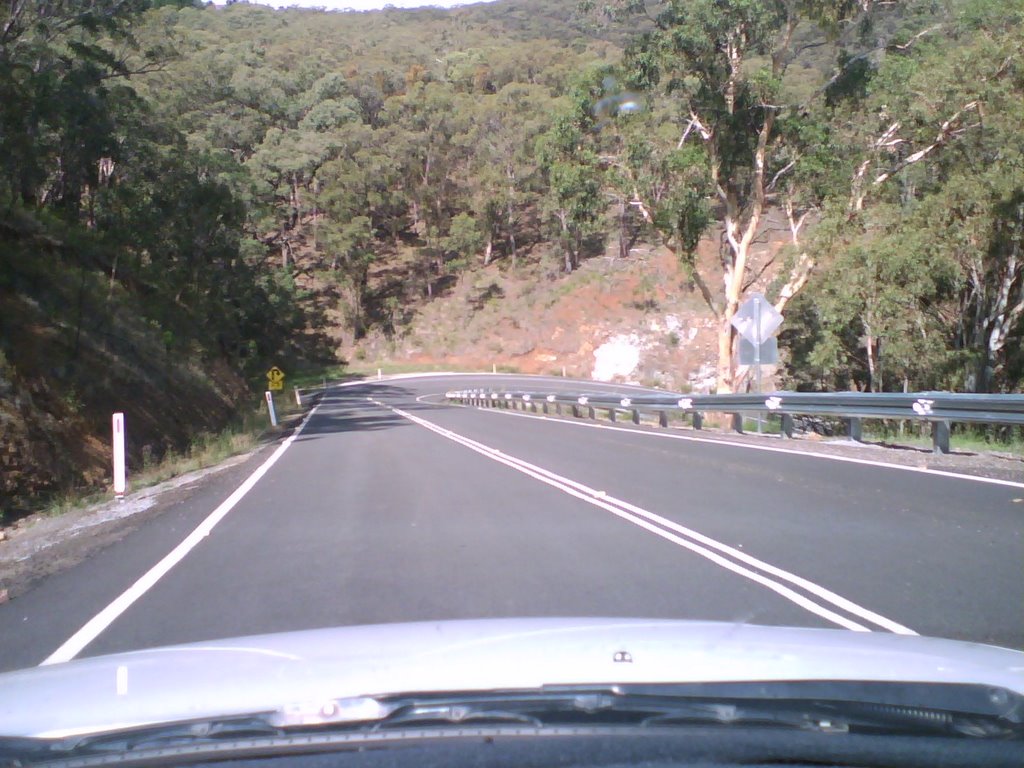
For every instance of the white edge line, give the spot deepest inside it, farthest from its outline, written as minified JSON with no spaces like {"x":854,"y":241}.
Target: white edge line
{"x":734,"y":444}
{"x":92,"y":629}
{"x":606,"y":502}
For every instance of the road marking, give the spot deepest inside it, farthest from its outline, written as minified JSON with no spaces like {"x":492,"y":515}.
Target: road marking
{"x":750,"y":446}
{"x":92,"y":629}
{"x":682,"y":536}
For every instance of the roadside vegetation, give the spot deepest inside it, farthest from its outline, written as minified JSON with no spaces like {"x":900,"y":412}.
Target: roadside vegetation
{"x":206,"y":449}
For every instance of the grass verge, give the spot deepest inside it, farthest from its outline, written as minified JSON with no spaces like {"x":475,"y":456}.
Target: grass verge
{"x":970,"y":442}
{"x":206,"y":450}
{"x":317,"y":376}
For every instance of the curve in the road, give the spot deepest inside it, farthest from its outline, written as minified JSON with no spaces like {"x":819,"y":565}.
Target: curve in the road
{"x":948,"y":544}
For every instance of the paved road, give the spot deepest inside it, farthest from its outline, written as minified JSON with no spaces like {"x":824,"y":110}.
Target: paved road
{"x":391,"y":506}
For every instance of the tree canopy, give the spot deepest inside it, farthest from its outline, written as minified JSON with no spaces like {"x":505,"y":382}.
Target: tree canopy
{"x":220,"y":161}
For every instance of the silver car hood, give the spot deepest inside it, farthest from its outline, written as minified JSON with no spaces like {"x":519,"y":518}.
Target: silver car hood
{"x":300,"y":671}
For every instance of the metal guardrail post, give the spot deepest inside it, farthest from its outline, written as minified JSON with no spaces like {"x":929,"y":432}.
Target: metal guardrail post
{"x":737,"y":423}
{"x":787,"y":426}
{"x":576,"y":411}
{"x":558,"y":409}
{"x":636,"y":416}
{"x":544,"y":406}
{"x":591,"y":413}
{"x":663,"y":418}
{"x":698,"y":420}
{"x":856,"y":430}
{"x":612,"y":415}
{"x":940,"y":436}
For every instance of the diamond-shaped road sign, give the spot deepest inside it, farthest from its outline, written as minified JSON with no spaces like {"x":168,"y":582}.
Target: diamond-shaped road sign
{"x":768,"y":354}
{"x":275,"y":378}
{"x":756,"y":319}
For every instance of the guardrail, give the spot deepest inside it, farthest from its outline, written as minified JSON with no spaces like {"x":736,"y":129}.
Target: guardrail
{"x":941,"y":409}
{"x":304,"y":395}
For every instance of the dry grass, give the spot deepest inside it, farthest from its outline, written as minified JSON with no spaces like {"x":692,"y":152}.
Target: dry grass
{"x":206,"y":450}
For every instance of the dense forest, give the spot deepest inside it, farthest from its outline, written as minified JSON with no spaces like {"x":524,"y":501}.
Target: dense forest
{"x":470,"y":135}
{"x":177,"y":180}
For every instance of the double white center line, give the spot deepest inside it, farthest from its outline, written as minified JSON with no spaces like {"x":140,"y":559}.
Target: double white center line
{"x":808,"y":595}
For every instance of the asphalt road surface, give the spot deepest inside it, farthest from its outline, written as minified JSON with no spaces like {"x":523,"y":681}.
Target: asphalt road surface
{"x":389,"y":505}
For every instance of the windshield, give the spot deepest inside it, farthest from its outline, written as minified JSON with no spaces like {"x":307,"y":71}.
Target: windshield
{"x":509,"y":345}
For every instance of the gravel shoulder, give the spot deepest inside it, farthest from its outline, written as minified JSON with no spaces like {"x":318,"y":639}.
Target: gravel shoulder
{"x":39,"y":545}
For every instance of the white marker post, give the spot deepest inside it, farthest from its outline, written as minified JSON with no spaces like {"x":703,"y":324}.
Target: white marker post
{"x":270,"y":407}
{"x":120,"y":483}
{"x":298,"y":397}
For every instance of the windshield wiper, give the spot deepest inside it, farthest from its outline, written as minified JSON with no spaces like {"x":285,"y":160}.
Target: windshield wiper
{"x":952,"y":711}
{"x":128,"y":740}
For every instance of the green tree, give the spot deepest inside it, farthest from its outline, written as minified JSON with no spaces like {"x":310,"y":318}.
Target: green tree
{"x":723,"y":64}
{"x":933,"y":217}
{"x":503,"y":172}
{"x":571,"y":171}
{"x":464,"y":240}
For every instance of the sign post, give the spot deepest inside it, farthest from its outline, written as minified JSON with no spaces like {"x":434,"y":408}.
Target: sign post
{"x":756,"y":320}
{"x":120,"y":482}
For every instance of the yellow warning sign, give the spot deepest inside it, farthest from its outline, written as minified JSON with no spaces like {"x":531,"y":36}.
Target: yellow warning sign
{"x":275,"y":378}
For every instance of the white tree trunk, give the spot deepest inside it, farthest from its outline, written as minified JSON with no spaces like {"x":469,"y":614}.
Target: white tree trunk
{"x":488,"y":248}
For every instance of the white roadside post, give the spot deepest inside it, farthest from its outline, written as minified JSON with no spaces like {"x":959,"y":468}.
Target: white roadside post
{"x":270,"y":407}
{"x":298,"y":397}
{"x":120,"y":483}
